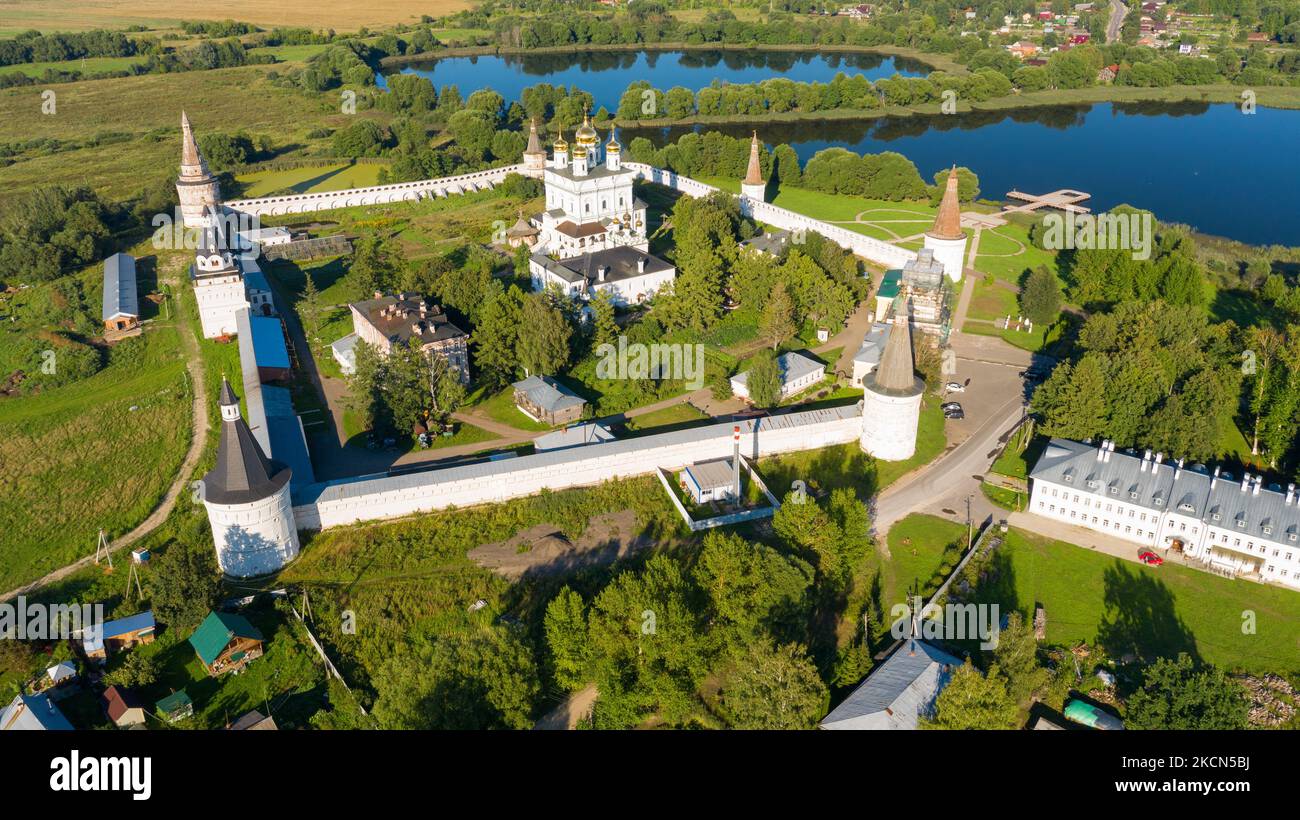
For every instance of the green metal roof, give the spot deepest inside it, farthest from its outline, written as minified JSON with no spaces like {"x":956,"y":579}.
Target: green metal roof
{"x":217,"y":630}
{"x":889,"y":286}
{"x":173,"y":702}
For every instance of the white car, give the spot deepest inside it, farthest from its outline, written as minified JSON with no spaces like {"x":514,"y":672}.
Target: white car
{"x":955,"y":387}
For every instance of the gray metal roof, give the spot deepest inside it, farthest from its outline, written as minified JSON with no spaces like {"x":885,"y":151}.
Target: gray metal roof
{"x":790,"y":367}
{"x":710,"y":475}
{"x":346,"y":488}
{"x":898,"y":692}
{"x":620,"y":263}
{"x":573,"y":436}
{"x":548,"y":394}
{"x":1193,"y":491}
{"x":120,"y":297}
{"x":873,"y":344}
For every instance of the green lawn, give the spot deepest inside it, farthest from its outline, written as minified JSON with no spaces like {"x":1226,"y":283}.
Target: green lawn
{"x":88,"y":66}
{"x":311,"y":179}
{"x":678,"y":414}
{"x":501,"y":408}
{"x":1122,"y":605}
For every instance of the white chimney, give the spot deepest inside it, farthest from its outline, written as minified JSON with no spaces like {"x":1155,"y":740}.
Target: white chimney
{"x":1290,"y":493}
{"x":1245,"y":481}
{"x":735,"y":458}
{"x":600,"y":273}
{"x":640,"y":264}
{"x":1101,"y":450}
{"x":1160,"y":457}
{"x":1259,"y":482}
{"x":1178,"y":469}
{"x":1146,"y":456}
{"x":1214,"y":479}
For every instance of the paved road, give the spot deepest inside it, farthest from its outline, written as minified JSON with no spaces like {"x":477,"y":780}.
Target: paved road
{"x":1117,"y":13}
{"x":198,"y":439}
{"x":994,"y":406}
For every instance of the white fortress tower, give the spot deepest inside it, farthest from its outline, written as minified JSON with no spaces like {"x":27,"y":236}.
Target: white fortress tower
{"x":891,"y":402}
{"x":218,"y":281}
{"x":946,"y":238}
{"x":534,"y":154}
{"x":197,"y":188}
{"x":247,"y":497}
{"x":753,"y":185}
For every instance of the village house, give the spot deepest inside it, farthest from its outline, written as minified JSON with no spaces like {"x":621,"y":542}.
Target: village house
{"x":387,"y":320}
{"x":33,"y":712}
{"x":868,"y":356}
{"x":98,"y":642}
{"x":122,"y":707}
{"x":771,"y":243}
{"x":545,"y":400}
{"x":121,"y":301}
{"x":795,"y":372}
{"x":174,"y":707}
{"x":899,"y":692}
{"x":226,"y":642}
{"x":1107,"y":74}
{"x":253,"y":721}
{"x":1023,"y":49}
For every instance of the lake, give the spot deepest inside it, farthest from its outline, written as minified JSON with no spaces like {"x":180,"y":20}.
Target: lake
{"x":607,"y":74}
{"x":1208,"y":166}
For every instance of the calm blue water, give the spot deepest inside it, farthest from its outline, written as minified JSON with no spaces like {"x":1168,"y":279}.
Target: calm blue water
{"x":1208,"y":166}
{"x":606,"y":75}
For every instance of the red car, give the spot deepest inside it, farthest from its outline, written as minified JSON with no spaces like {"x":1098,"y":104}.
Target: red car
{"x":1150,"y":558}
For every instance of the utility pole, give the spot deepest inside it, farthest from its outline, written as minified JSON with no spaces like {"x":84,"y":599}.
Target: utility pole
{"x":101,"y":548}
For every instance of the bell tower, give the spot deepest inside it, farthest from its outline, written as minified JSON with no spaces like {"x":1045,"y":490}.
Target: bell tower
{"x":197,"y":187}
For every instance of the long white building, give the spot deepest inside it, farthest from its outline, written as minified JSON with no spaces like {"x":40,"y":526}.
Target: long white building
{"x":1235,"y":525}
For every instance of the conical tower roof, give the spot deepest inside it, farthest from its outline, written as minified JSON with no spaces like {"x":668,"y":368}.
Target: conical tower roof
{"x":947,"y":224}
{"x":754,"y":175}
{"x":896,"y":373}
{"x":243,"y":473}
{"x":189,"y":146}
{"x":534,"y":141}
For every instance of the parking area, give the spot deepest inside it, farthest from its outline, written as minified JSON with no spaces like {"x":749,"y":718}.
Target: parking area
{"x":989,"y":369}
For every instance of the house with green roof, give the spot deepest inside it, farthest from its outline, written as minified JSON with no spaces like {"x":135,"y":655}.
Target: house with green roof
{"x":174,"y":707}
{"x":226,"y":642}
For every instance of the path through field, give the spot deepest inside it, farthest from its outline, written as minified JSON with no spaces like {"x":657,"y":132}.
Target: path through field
{"x":198,"y":439}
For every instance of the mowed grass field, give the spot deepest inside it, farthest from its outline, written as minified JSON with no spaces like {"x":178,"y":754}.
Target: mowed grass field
{"x":311,"y":179}
{"x":148,"y":108}
{"x":343,"y":15}
{"x":1093,"y":597}
{"x":95,"y":453}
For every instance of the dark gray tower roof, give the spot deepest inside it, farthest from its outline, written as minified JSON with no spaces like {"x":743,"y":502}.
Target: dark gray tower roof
{"x":896,"y":373}
{"x":242,"y":473}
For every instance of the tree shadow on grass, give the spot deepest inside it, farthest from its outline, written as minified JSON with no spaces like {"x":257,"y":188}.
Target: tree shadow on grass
{"x":1140,"y":618}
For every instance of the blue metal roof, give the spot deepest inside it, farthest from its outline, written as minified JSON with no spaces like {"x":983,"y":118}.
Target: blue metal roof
{"x":268,"y":342}
{"x":120,"y":297}
{"x":254,"y":279}
{"x":133,"y":623}
{"x":285,"y":433}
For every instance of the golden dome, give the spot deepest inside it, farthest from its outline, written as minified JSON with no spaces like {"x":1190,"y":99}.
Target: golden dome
{"x":613,"y":145}
{"x":586,"y":133}
{"x":560,"y":144}
{"x":579,"y":151}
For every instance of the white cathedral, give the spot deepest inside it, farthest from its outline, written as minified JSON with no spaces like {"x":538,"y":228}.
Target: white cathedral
{"x":592,"y":235}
